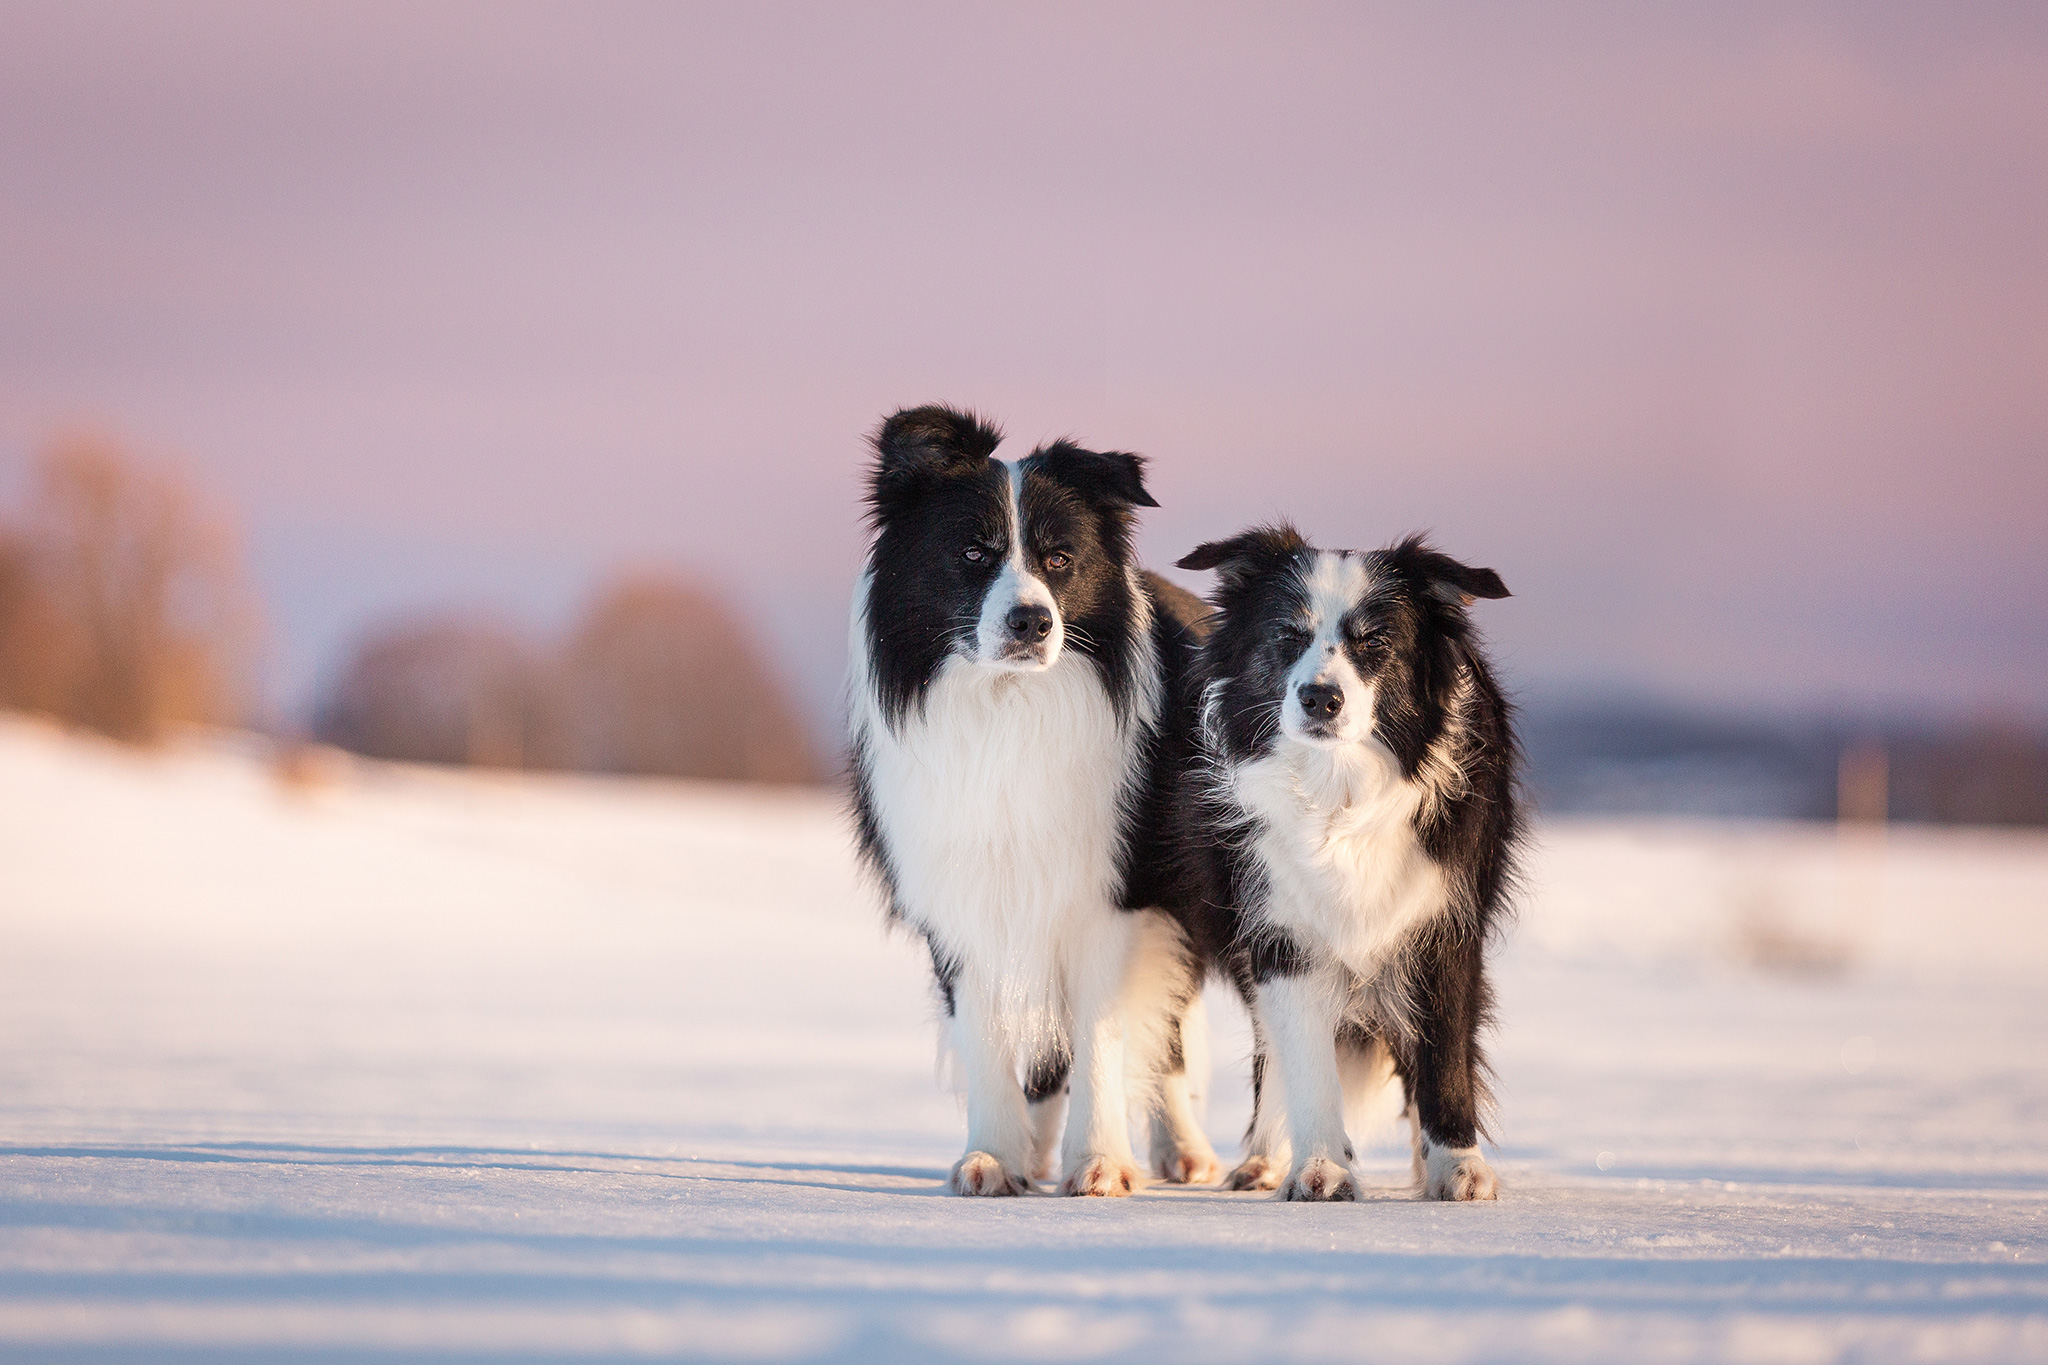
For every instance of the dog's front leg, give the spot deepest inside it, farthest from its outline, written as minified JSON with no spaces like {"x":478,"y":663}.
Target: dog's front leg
{"x":1180,"y":1149}
{"x":1097,"y":1152}
{"x":1166,"y":1047}
{"x":1298,"y":1015}
{"x":1267,"y":1153}
{"x":1445,"y":1085}
{"x":998,"y":1159}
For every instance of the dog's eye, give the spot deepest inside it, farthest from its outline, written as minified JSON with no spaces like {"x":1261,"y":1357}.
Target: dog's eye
{"x":1057,"y":561}
{"x":974,"y":554}
{"x":1294,"y":638}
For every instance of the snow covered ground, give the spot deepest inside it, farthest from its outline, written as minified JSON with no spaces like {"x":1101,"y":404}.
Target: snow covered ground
{"x":419,"y":1065}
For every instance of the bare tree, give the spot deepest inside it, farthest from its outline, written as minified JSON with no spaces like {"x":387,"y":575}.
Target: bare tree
{"x":447,"y":690}
{"x":661,"y":679}
{"x":30,"y":635}
{"x":123,"y":607}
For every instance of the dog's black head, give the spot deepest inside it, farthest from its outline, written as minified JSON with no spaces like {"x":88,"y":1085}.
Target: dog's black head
{"x":1003,"y":564}
{"x":1335,"y":647}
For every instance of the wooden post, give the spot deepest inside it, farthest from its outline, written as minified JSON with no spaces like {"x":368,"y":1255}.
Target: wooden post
{"x":1862,"y":784}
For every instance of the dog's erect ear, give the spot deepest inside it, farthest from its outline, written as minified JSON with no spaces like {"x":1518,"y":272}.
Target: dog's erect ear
{"x":1258,"y":550}
{"x":1113,"y":475}
{"x":917,"y":444}
{"x":1447,"y":579}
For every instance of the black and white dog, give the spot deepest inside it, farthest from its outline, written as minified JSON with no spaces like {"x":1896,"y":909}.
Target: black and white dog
{"x":1354,"y":821}
{"x":1020,"y":699}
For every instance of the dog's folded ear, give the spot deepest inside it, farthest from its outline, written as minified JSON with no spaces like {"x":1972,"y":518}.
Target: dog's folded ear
{"x":1247,"y":553}
{"x":1461,"y":583}
{"x":917,"y":444}
{"x":1113,"y":475}
{"x":1446,"y":578}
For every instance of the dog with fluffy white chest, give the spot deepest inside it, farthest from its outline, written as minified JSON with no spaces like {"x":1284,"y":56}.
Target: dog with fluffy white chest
{"x":1348,"y":833}
{"x":1019,"y":704}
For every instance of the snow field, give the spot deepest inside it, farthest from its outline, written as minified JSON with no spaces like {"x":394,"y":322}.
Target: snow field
{"x":414,"y":1065}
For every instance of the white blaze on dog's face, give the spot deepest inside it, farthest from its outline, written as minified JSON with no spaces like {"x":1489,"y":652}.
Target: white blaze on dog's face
{"x":1005,"y":566}
{"x":1020,"y":628}
{"x":1325,"y":701}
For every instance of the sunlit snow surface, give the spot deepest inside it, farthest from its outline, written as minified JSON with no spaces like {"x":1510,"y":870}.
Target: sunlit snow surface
{"x":417,"y":1065}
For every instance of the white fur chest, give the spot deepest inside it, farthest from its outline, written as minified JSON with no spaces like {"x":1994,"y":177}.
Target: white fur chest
{"x":1335,"y":836}
{"x":999,"y":803}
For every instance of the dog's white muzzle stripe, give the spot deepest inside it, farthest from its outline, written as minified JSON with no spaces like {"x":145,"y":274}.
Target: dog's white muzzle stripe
{"x":1016,"y":586}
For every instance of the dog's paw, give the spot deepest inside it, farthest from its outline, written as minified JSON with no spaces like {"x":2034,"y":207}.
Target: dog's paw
{"x":1102,"y":1177}
{"x":980,"y":1173}
{"x":1459,"y":1173}
{"x":1255,"y":1173}
{"x":1320,"y":1180}
{"x":1188,"y":1166}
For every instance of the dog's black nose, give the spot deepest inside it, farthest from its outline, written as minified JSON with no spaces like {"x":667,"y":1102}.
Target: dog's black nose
{"x":1321,"y":701}
{"x":1029,"y":622}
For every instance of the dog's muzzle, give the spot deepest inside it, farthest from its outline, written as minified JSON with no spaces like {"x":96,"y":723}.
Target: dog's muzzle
{"x":1027,"y":633}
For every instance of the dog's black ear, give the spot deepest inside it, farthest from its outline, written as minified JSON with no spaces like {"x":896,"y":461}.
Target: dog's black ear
{"x":917,"y":444}
{"x":1446,"y":578}
{"x":1112,"y":475}
{"x":1468,"y":582}
{"x":1247,"y":553}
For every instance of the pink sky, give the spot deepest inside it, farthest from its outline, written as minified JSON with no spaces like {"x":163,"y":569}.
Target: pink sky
{"x":1723,"y":335}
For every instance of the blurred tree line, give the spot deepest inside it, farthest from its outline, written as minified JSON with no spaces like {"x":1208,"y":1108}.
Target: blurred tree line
{"x":1982,"y":774}
{"x":657,"y":679}
{"x":1650,"y":759}
{"x":125,"y":610}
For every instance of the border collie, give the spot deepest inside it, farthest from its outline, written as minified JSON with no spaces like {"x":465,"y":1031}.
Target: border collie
{"x":1355,"y":806}
{"x":1017,"y":685}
